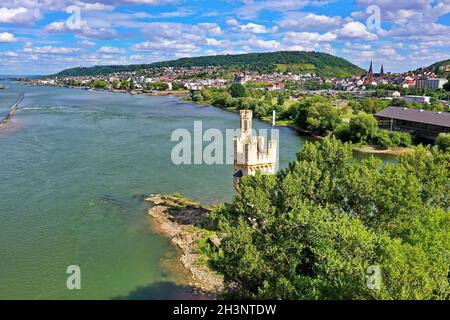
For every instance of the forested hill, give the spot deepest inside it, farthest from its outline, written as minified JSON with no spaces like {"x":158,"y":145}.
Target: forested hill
{"x":441,"y":67}
{"x":296,"y":61}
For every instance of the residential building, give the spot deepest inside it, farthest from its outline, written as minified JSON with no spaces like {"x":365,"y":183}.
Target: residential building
{"x":435,"y":83}
{"x":417,"y":99}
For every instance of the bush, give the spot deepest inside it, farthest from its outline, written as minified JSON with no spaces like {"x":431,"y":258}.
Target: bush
{"x":390,"y":139}
{"x":401,"y":139}
{"x":342,"y":131}
{"x":383,"y":139}
{"x":443,"y":141}
{"x":197,"y":97}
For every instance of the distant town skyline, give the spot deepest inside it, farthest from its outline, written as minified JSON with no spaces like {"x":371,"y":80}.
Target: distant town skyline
{"x":46,"y":36}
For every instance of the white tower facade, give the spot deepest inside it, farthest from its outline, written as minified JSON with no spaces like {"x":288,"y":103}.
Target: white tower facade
{"x":250,"y":152}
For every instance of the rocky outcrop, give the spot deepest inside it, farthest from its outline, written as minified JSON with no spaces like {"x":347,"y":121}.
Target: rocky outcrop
{"x":184,"y":222}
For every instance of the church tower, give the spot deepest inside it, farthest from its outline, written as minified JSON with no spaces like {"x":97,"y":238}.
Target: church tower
{"x":370,"y":77}
{"x":250,"y":152}
{"x":382,"y":72}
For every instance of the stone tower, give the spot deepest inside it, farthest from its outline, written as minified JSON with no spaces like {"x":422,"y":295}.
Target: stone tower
{"x":250,"y":152}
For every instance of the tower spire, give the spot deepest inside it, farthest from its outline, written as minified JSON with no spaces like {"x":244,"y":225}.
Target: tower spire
{"x":369,"y":76}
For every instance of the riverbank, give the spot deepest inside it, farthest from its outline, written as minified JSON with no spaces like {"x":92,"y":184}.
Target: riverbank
{"x":371,"y":149}
{"x":377,"y":150}
{"x":185,"y":222}
{"x":11,"y":112}
{"x":178,"y":93}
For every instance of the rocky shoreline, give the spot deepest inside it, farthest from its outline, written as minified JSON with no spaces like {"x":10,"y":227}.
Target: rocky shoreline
{"x":183,"y":221}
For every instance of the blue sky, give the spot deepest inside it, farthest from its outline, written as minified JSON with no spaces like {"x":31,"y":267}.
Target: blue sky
{"x":45,"y":36}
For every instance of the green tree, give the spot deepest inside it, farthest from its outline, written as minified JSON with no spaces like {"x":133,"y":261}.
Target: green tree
{"x":363,"y":127}
{"x":101,"y":84}
{"x":280,"y":99}
{"x":443,"y":141}
{"x":447,"y":85}
{"x":311,"y":231}
{"x":116,"y":84}
{"x":323,"y":117}
{"x":237,"y":90}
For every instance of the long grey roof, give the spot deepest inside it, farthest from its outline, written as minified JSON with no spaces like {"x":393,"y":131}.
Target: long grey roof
{"x":428,"y":117}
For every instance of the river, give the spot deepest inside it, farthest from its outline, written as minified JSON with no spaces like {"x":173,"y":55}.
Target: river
{"x":74,"y":165}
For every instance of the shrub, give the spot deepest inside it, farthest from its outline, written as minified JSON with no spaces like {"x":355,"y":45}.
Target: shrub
{"x":390,"y":139}
{"x":443,"y":141}
{"x":342,"y":131}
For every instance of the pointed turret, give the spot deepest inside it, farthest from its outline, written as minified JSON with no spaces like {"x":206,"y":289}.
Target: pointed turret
{"x":369,"y":77}
{"x":382,"y":71}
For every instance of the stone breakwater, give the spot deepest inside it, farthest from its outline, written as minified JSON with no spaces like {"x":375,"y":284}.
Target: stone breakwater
{"x":181,"y":219}
{"x":11,"y":112}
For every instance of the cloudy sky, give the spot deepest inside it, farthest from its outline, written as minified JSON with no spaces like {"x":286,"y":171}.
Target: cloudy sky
{"x":45,"y":36}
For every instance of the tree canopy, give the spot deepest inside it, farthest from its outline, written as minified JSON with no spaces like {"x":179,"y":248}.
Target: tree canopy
{"x":315,"y":229}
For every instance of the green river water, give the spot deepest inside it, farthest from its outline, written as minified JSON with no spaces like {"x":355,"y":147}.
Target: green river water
{"x":74,"y":166}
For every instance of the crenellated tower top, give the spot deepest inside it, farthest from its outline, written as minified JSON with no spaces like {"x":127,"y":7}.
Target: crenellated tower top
{"x":250,"y":152}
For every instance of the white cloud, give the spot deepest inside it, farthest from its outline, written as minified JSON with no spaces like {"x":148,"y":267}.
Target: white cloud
{"x":253,"y":28}
{"x":9,"y":54}
{"x":232,"y":22}
{"x":209,"y":28}
{"x":215,"y":43}
{"x":263,"y":44}
{"x":309,"y":37}
{"x":19,"y":15}
{"x":86,"y":43}
{"x":165,"y":45}
{"x":252,"y":8}
{"x":110,"y":50}
{"x":302,"y":21}
{"x":6,"y":37}
{"x":356,"y":30}
{"x":52,"y":50}
{"x":84,"y":31}
{"x":406,"y":11}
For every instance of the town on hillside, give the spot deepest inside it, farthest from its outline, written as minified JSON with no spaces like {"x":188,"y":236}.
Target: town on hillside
{"x":379,"y":109}
{"x":412,"y":86}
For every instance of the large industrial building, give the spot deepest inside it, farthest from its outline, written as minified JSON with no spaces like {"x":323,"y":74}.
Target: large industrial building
{"x":421,"y":123}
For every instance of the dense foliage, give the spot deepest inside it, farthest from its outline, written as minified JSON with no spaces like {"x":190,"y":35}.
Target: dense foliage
{"x":364,"y":128}
{"x":443,"y":141}
{"x":237,"y":90}
{"x":322,"y":64}
{"x":316,"y":114}
{"x":316,"y":230}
